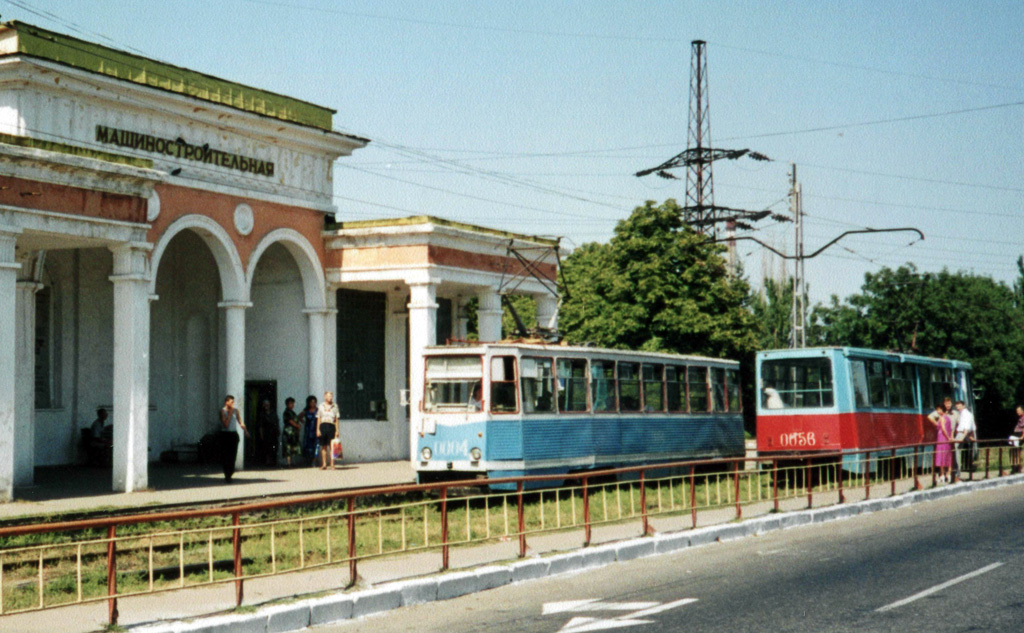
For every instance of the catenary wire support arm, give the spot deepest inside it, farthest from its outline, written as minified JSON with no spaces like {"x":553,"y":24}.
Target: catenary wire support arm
{"x":826,"y":246}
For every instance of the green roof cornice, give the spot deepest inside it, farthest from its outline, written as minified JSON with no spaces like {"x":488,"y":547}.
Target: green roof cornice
{"x":69,"y":51}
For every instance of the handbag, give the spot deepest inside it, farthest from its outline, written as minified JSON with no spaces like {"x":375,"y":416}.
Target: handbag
{"x":336,"y":448}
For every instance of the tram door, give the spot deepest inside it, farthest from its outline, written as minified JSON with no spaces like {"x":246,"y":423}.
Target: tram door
{"x":259,"y":446}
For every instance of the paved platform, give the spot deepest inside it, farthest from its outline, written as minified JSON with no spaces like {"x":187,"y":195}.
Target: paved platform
{"x":78,"y":489}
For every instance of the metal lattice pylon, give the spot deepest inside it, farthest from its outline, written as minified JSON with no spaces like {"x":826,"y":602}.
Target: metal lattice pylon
{"x":700,"y":187}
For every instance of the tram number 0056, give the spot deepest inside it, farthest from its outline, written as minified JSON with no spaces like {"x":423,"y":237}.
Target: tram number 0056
{"x":798,"y":439}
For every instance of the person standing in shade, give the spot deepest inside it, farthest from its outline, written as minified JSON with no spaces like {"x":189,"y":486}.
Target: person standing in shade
{"x":966,"y":434}
{"x":291,"y":435}
{"x":231,"y":421}
{"x":327,"y":415}
{"x":269,"y":428}
{"x":310,"y":444}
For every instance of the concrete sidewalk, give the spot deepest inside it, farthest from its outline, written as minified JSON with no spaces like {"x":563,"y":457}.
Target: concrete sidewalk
{"x":79,"y":489}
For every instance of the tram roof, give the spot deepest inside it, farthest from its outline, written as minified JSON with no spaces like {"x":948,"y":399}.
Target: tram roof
{"x":575,"y":350}
{"x":864,"y":352}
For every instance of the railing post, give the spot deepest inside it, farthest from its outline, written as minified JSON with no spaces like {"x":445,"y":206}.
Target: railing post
{"x":809,"y":484}
{"x":775,"y":483}
{"x":353,"y":572}
{"x":987,"y":456}
{"x":111,"y":576}
{"x":586,"y":513}
{"x":1001,"y":473}
{"x":236,"y":547}
{"x":970,"y":457}
{"x":839,"y":479}
{"x":913,"y":467}
{"x":935,"y":475}
{"x":693,"y":497}
{"x":643,"y":505}
{"x":444,"y":528}
{"x":867,"y":476}
{"x":892,"y":472}
{"x":736,"y":488}
{"x":521,"y":519}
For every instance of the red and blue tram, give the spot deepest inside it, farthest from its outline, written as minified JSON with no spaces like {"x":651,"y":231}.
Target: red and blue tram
{"x":833,"y":399}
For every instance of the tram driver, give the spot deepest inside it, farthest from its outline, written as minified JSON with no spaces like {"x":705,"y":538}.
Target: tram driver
{"x":475,"y":403}
{"x":772,"y":399}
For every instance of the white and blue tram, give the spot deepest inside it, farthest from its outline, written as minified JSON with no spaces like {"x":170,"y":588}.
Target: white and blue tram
{"x":509,"y":409}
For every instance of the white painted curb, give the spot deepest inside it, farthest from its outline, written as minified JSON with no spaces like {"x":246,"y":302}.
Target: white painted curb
{"x":281,"y":618}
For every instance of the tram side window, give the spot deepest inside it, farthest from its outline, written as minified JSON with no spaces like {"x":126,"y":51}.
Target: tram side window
{"x":629,"y":387}
{"x":717,"y":389}
{"x":876,"y":383}
{"x":900,"y":385}
{"x":538,"y":385}
{"x":941,"y":384}
{"x":654,"y":397}
{"x":602,"y":385}
{"x":503,"y":384}
{"x":572,"y":385}
{"x":862,"y":396}
{"x":697,"y":378}
{"x":675,"y":388}
{"x":732,"y":386}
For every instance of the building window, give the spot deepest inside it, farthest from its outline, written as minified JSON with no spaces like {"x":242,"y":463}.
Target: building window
{"x":361,"y":339}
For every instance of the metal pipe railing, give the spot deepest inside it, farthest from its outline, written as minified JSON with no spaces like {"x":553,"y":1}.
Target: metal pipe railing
{"x":172,"y":547}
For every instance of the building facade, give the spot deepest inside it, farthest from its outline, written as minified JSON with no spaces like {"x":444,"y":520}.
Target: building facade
{"x":167,"y":237}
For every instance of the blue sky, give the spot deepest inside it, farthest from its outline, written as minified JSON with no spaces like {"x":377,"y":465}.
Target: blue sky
{"x":532,"y":116}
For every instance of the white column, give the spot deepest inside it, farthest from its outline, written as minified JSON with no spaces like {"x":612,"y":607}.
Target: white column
{"x":422,"y":333}
{"x":331,"y":343}
{"x":488,"y":316}
{"x":317,"y":353}
{"x":25,"y":378}
{"x":547,"y":311}
{"x":8,"y":283}
{"x":131,"y":367}
{"x":234,"y":370}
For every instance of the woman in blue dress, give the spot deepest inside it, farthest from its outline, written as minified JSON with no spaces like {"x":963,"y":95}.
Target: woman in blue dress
{"x":309,"y":440}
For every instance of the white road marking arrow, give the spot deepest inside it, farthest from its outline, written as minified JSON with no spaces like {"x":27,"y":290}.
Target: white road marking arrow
{"x":593,"y":605}
{"x":584,"y":624}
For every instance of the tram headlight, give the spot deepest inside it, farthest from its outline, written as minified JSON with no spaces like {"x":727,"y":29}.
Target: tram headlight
{"x":426,"y":454}
{"x":476,"y":454}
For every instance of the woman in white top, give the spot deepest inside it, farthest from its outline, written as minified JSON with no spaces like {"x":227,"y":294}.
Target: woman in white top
{"x":327,"y":415}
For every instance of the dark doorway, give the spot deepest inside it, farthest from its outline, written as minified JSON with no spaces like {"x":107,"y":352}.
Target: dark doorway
{"x":262,"y":442}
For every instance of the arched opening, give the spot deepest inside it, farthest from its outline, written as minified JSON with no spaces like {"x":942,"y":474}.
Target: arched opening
{"x":277,"y":347}
{"x":185,"y":345}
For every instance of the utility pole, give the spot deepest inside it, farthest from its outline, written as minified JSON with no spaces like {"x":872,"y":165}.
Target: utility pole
{"x":799,"y":308}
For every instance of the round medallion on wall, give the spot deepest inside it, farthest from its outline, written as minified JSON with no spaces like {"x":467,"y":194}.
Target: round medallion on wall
{"x":152,"y":207}
{"x":243,"y":219}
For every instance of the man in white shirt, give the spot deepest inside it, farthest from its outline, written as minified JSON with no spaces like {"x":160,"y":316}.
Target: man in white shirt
{"x":966,"y":432}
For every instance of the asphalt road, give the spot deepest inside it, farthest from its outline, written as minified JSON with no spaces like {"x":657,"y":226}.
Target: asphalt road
{"x":950,"y":565}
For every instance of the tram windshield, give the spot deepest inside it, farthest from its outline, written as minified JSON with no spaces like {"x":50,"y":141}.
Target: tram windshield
{"x":454,"y":384}
{"x":796,"y":383}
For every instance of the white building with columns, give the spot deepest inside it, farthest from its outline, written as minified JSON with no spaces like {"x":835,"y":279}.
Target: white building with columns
{"x":167,"y":237}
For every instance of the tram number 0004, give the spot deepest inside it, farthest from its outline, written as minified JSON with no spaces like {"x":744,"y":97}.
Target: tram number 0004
{"x":798,"y":439}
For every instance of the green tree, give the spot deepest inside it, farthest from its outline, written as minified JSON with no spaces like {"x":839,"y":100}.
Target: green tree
{"x":773,"y":311}
{"x":947,"y":315}
{"x":657,"y":286}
